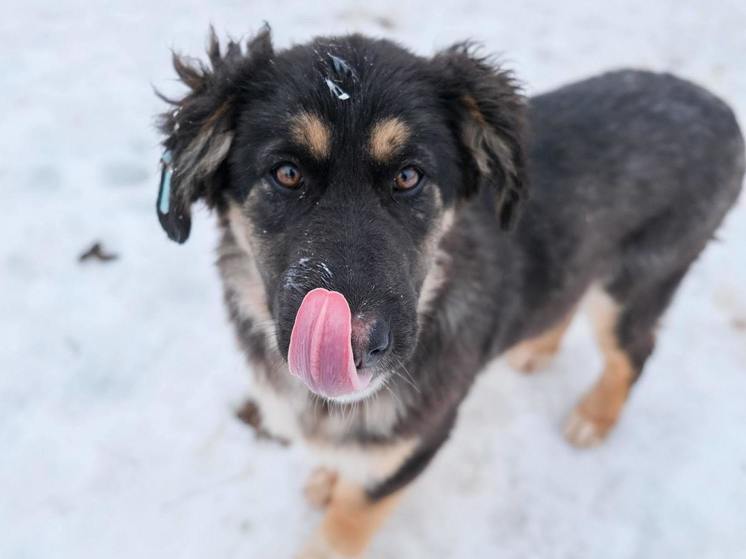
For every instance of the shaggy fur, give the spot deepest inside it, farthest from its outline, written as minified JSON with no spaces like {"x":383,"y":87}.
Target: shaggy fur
{"x":617,"y":183}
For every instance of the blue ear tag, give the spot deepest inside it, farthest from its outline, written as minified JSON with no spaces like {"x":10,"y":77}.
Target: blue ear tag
{"x":175,"y":221}
{"x":164,"y":192}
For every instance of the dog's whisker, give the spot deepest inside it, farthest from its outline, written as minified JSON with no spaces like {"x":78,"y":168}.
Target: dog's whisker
{"x":408,"y":375}
{"x":403,"y":374}
{"x":392,"y":392}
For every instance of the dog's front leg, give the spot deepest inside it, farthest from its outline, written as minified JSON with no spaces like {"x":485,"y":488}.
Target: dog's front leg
{"x":355,"y":510}
{"x":351,"y":520}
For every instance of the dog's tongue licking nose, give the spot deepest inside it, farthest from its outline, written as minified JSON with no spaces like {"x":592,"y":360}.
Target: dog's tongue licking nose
{"x":320,"y":352}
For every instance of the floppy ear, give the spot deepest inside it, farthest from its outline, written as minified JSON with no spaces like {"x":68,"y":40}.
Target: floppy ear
{"x":200,"y":129}
{"x":487,"y":114}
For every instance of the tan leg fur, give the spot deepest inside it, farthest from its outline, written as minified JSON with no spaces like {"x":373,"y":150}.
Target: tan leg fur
{"x":350,"y":522}
{"x":536,"y":353}
{"x":600,"y":408}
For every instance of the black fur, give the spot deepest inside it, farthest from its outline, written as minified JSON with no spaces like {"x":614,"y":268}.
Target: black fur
{"x":630,"y":174}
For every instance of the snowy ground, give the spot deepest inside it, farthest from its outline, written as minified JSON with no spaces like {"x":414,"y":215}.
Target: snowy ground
{"x":118,"y":381}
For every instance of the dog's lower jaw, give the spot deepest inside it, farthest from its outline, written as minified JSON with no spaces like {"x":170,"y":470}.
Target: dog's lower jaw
{"x":358,"y":396}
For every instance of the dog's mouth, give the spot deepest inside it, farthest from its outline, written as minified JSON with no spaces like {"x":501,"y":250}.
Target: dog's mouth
{"x":320,"y":351}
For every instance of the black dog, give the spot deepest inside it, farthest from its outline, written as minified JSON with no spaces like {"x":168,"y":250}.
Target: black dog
{"x":391,"y":223}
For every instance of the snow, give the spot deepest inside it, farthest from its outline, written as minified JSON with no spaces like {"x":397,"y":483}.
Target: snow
{"x":118,"y":381}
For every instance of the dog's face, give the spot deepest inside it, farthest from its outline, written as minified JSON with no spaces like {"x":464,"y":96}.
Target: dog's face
{"x":338,"y":167}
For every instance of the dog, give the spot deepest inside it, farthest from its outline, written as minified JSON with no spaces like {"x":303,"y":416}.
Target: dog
{"x":391,"y":223}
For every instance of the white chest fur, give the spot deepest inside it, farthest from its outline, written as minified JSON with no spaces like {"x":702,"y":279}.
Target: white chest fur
{"x":366,"y":464}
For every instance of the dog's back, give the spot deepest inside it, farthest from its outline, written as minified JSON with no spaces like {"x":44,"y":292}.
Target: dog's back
{"x":631,"y":173}
{"x":625,"y":146}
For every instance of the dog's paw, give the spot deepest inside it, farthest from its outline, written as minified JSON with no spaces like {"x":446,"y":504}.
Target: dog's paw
{"x":319,"y":487}
{"x":528,"y":360}
{"x":582,"y":431}
{"x":597,"y":412}
{"x":589,"y":426}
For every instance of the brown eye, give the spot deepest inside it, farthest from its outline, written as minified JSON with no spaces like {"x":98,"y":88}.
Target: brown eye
{"x":287,"y":175}
{"x":407,"y":178}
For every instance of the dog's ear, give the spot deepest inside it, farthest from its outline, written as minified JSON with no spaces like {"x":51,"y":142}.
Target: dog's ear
{"x":200,"y":128}
{"x":486,"y":111}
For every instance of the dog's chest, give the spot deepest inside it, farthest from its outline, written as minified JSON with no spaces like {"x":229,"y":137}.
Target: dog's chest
{"x":289,"y":412}
{"x":334,"y":439}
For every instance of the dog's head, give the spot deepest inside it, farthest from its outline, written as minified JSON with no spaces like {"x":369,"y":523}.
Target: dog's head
{"x":338,"y":166}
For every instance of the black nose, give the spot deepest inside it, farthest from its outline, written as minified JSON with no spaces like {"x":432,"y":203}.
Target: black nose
{"x":371,"y":340}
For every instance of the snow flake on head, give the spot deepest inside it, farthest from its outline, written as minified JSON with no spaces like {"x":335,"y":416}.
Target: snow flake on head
{"x":339,"y":71}
{"x":337,"y":91}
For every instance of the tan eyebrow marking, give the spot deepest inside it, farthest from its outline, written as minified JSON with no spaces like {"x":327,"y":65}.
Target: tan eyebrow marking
{"x":387,"y":137}
{"x":308,"y":129}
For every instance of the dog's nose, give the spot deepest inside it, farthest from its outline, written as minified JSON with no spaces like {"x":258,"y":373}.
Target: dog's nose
{"x":371,"y":340}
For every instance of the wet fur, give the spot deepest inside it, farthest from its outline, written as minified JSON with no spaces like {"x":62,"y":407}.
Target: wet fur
{"x":621,"y":180}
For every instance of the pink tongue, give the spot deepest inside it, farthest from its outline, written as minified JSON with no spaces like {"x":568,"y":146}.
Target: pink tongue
{"x":320,"y":352}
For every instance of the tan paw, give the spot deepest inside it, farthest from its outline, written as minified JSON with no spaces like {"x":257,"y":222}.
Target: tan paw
{"x":584,"y":432}
{"x":529,"y":360}
{"x":593,"y":419}
{"x":598,"y":411}
{"x":319,"y":487}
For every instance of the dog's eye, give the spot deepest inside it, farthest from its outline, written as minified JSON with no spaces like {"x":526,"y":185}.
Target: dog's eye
{"x":407,"y":179}
{"x":287,"y":175}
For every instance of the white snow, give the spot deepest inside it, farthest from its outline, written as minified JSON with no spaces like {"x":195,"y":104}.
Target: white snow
{"x":118,"y":381}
